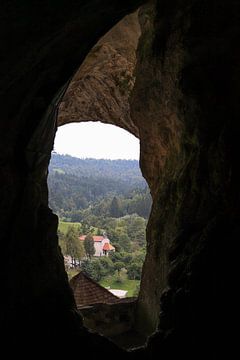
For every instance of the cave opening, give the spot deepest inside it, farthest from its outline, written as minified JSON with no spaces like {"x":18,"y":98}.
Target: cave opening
{"x":101,"y":89}
{"x":184,"y":108}
{"x":98,"y":192}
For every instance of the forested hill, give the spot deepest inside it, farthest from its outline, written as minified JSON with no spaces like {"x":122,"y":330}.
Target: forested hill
{"x":79,"y":188}
{"x":127,"y":171}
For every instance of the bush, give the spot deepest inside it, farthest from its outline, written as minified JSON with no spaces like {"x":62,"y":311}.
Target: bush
{"x":121,"y":276}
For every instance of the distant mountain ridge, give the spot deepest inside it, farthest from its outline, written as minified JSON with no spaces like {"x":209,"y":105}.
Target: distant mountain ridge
{"x":118,"y":170}
{"x":75,"y":184}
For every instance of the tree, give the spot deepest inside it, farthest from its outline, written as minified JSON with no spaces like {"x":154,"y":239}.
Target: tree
{"x":136,"y":291}
{"x":62,"y":241}
{"x":84,"y":228}
{"x":73,"y":246}
{"x":92,"y":268}
{"x":118,"y":266}
{"x":134,"y":271}
{"x":99,"y":232}
{"x":115,"y":208}
{"x":107,"y":266}
{"x":122,"y":276}
{"x":89,"y":246}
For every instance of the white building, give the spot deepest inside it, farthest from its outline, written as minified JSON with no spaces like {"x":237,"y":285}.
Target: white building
{"x":119,"y":293}
{"x":101,"y":244}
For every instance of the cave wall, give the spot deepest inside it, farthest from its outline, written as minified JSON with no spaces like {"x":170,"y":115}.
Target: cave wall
{"x":101,"y":88}
{"x":42,"y":45}
{"x":185,"y":107}
{"x":188,"y":75}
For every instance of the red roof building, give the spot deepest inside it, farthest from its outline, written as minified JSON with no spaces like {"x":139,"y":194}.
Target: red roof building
{"x":101,"y":244}
{"x":108,"y":247}
{"x":87,"y":291}
{"x":96,"y":238}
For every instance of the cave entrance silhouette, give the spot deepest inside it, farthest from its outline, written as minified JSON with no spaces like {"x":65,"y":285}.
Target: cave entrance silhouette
{"x":109,"y":199}
{"x":101,"y":90}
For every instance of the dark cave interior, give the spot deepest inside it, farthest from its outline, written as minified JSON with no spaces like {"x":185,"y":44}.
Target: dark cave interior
{"x":184,"y":108}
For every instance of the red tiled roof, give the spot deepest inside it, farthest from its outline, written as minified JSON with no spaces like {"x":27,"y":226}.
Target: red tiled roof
{"x":87,"y":291}
{"x":95,"y":238}
{"x":108,"y":247}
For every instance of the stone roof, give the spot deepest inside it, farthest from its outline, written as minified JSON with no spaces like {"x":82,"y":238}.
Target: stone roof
{"x":87,"y":291}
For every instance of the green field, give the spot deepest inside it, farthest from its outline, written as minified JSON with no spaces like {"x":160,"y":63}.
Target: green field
{"x":63,"y":226}
{"x":129,"y":285}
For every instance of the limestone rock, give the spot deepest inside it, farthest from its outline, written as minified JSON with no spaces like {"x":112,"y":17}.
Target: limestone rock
{"x":101,"y":88}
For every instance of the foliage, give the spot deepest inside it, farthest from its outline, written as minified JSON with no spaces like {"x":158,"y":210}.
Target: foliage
{"x":89,"y":245}
{"x":126,"y":170}
{"x":136,"y":290}
{"x":121,"y":276}
{"x":79,"y":188}
{"x":119,"y":265}
{"x":134,"y":271}
{"x":73,"y":246}
{"x":115,"y":203}
{"x":91,"y":268}
{"x":114,"y":210}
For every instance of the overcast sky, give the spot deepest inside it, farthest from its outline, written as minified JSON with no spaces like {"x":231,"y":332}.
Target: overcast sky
{"x":96,"y":140}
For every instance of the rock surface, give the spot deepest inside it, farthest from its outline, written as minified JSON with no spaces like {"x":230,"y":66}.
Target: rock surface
{"x":101,"y":88}
{"x":185,"y":109}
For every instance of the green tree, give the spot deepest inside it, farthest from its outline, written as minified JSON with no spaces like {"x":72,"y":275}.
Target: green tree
{"x":118,"y":266}
{"x":89,"y":246}
{"x":116,"y":257}
{"x":92,"y":269}
{"x":84,"y":228}
{"x":107,"y":266}
{"x":98,"y":232}
{"x":73,"y":246}
{"x":62,"y":241}
{"x":136,"y":291}
{"x":134,"y":271}
{"x":115,"y":210}
{"x":122,"y":276}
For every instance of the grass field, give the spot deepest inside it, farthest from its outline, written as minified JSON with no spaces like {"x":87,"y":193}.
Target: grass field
{"x":63,"y":226}
{"x":129,"y":285}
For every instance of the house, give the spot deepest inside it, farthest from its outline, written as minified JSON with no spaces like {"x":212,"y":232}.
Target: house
{"x":101,"y":310}
{"x":101,"y":244}
{"x":88,"y":292}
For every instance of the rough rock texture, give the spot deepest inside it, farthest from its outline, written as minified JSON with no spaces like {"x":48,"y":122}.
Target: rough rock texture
{"x":110,"y":319}
{"x":101,"y":88}
{"x":42,"y":45}
{"x":186,"y":108}
{"x":188,"y":74}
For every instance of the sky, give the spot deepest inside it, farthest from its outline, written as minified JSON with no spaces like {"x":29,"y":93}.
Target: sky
{"x":96,"y":140}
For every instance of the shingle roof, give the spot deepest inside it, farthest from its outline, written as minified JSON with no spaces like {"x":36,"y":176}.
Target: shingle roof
{"x":87,"y":291}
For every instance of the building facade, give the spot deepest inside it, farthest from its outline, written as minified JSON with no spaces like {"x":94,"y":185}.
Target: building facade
{"x":101,"y":244}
